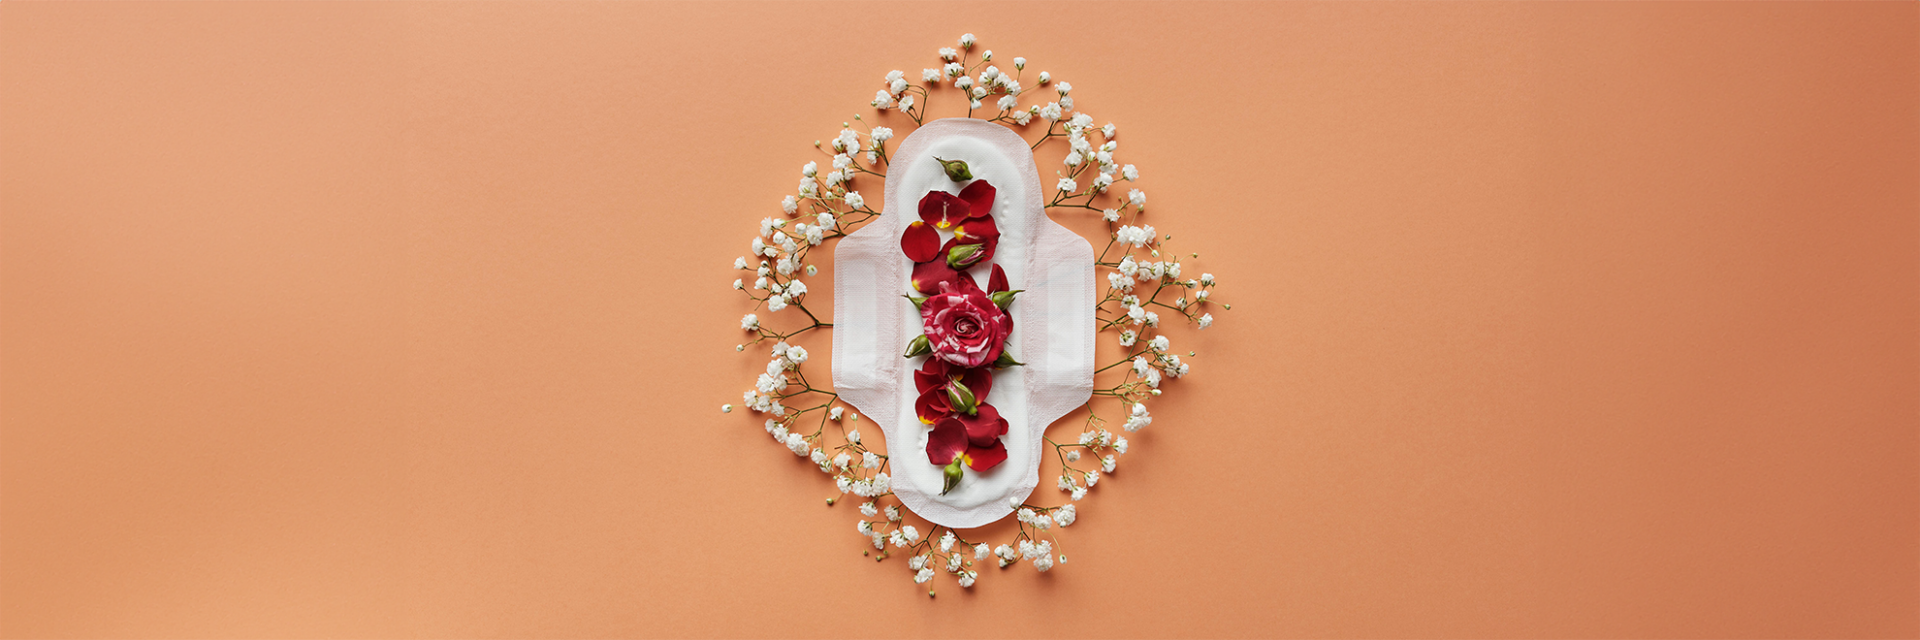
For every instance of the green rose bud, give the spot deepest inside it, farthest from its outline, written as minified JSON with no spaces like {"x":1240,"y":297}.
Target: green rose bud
{"x":1004,"y":298}
{"x":919,"y":347}
{"x":961,"y":397}
{"x":963,"y":256}
{"x":957,"y":170}
{"x":952,"y":473}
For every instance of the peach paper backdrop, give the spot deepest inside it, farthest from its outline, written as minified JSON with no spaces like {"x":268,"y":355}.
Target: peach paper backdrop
{"x":366,"y":319}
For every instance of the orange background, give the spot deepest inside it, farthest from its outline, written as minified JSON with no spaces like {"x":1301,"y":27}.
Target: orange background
{"x":1557,"y":319}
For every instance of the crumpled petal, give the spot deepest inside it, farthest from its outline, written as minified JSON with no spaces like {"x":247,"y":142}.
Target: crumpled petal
{"x":936,"y":372}
{"x":932,"y":405}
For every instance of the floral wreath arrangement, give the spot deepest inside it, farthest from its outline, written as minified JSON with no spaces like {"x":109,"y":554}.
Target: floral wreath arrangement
{"x":966,"y":331}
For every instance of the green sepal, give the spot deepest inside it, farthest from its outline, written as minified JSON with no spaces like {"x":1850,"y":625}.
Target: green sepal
{"x":917,"y":301}
{"x":1006,"y":360}
{"x":919,"y":347}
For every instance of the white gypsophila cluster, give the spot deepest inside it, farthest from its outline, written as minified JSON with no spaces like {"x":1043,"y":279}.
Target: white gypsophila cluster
{"x":1143,"y":279}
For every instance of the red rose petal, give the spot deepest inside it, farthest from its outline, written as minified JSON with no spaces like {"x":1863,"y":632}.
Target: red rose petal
{"x":923,"y":380}
{"x":920,"y":242}
{"x":979,"y":199}
{"x":978,"y":380}
{"x":941,"y":209}
{"x":932,"y":405}
{"x":983,"y":427}
{"x":997,"y":282}
{"x":947,"y":440}
{"x":961,"y":285}
{"x":928,"y":276}
{"x":984,"y":458}
{"x":977,"y":230}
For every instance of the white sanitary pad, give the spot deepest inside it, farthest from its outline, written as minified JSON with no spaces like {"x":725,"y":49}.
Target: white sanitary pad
{"x":1053,"y":319}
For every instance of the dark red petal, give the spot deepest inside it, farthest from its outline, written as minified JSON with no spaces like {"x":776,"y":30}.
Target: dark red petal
{"x":965,"y":285}
{"x":941,"y":209}
{"x":998,"y":346}
{"x":982,"y":427}
{"x":947,"y":440}
{"x":932,"y":406}
{"x":922,"y":381}
{"x":920,"y":242}
{"x":928,"y":276}
{"x":988,"y":244}
{"x":979,"y":198}
{"x":978,"y":380}
{"x":997,"y":281}
{"x":935,"y":368}
{"x":987,"y":457}
{"x":976,"y":231}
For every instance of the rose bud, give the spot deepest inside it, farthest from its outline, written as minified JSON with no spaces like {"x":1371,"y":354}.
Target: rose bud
{"x":956,"y":169}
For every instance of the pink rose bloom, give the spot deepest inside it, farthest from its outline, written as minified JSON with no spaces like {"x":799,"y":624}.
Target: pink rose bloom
{"x":963,"y":325}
